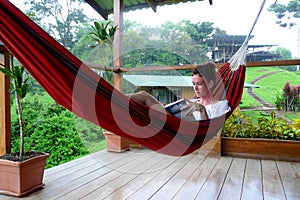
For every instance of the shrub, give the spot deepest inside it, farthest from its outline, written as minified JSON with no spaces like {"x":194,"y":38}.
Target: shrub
{"x":296,"y":124}
{"x":289,"y":100}
{"x":267,"y":126}
{"x":236,"y":124}
{"x":57,"y":135}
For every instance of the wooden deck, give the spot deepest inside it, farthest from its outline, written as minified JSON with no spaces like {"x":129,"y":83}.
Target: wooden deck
{"x":143,"y":174}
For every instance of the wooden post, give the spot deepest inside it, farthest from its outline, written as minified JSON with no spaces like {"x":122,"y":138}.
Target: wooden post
{"x":118,"y":44}
{"x":116,"y":143}
{"x":5,"y":135}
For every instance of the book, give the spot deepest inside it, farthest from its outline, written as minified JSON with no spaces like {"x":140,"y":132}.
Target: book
{"x":174,"y":108}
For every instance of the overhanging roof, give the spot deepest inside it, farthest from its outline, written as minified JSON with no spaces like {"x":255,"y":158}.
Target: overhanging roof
{"x":105,"y":7}
{"x":223,"y":39}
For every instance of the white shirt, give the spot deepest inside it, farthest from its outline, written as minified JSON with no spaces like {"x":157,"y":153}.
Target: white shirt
{"x":214,"y":110}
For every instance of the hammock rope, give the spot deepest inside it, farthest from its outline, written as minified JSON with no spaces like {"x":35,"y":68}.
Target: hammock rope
{"x":239,"y":58}
{"x":77,"y":88}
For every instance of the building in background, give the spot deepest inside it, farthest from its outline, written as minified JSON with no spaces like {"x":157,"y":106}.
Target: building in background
{"x":223,"y":47}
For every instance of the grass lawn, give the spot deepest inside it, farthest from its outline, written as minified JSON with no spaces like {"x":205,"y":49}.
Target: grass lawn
{"x":254,"y":114}
{"x":251,"y":74}
{"x":272,"y":85}
{"x":255,"y":72}
{"x":247,"y":101}
{"x":292,"y":115}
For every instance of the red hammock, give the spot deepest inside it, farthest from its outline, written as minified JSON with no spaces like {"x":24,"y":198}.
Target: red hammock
{"x":76,"y":87}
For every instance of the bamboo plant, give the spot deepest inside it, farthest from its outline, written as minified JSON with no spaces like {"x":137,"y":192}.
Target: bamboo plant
{"x":20,"y":87}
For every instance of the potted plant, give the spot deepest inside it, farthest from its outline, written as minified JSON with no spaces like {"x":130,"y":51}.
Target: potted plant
{"x":21,"y":172}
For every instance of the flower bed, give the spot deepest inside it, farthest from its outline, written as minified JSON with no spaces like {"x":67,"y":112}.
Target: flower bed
{"x":267,"y":126}
{"x":269,"y":138}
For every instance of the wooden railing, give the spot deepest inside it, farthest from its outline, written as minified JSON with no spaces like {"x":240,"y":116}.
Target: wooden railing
{"x":191,"y":66}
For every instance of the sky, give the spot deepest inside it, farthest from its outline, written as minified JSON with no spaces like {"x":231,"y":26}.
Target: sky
{"x":236,"y":17}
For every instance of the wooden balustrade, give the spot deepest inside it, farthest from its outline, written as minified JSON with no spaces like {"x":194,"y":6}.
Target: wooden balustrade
{"x":191,"y":66}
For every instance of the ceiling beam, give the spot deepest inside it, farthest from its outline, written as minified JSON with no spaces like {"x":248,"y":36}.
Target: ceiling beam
{"x":98,"y":8}
{"x":130,"y":6}
{"x":152,"y":4}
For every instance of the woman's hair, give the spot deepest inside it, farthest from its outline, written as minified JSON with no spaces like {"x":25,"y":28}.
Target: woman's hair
{"x":206,"y":70}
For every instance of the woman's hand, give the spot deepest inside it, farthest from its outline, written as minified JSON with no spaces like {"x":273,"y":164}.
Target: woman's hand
{"x":194,"y":106}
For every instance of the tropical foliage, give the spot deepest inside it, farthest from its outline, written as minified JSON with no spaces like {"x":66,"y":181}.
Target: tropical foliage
{"x":267,"y":126}
{"x":103,"y":35}
{"x":53,"y":129}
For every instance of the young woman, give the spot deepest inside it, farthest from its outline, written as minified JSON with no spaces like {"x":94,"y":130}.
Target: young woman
{"x":203,"y":106}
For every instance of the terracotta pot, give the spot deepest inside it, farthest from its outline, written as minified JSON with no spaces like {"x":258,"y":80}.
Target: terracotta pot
{"x":22,"y":178}
{"x":115,"y":143}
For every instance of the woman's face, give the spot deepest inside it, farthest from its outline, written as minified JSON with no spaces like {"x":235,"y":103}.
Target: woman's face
{"x":200,"y":86}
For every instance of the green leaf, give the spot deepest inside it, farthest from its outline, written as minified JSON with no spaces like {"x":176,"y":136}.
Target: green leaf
{"x":26,"y":79}
{"x":24,"y":90}
{"x":7,"y":72}
{"x":18,"y":72}
{"x":19,"y":91}
{"x":112,"y":31}
{"x":97,"y":26}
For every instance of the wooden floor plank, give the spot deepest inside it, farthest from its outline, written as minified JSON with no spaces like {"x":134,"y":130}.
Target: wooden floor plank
{"x":290,"y":180}
{"x":192,"y":186}
{"x":151,"y":187}
{"x":272,"y":185}
{"x":145,"y":174}
{"x":69,"y":182}
{"x":178,"y":180}
{"x":112,"y":171}
{"x":67,"y":165}
{"x":141,"y":179}
{"x":234,"y":179}
{"x":215,"y":181}
{"x":133,"y":169}
{"x":151,"y":167}
{"x":252,"y":186}
{"x":296,"y":166}
{"x":69,"y":171}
